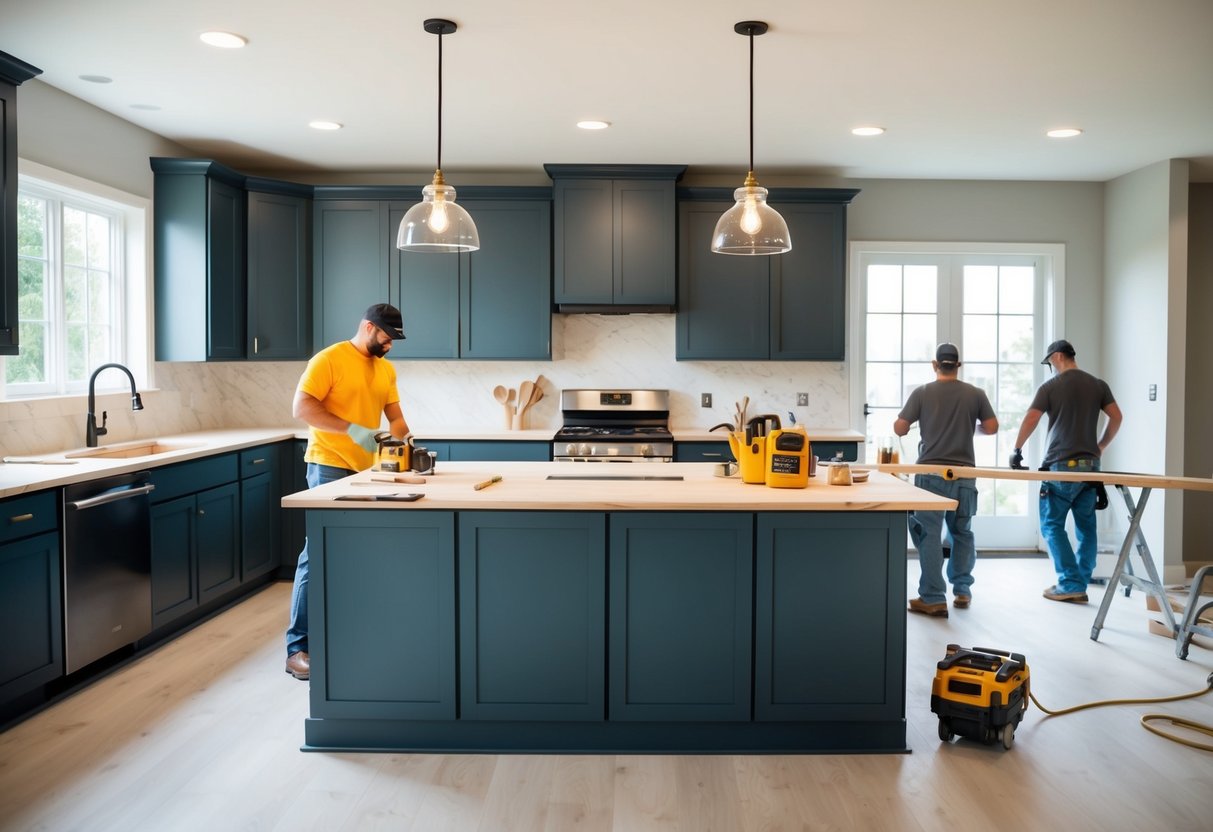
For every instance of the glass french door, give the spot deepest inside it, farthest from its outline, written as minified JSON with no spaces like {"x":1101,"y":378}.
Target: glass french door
{"x":993,"y":307}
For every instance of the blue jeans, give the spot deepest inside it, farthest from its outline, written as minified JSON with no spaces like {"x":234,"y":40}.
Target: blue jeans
{"x":925,"y":528}
{"x":1057,"y":499}
{"x":296,"y":634}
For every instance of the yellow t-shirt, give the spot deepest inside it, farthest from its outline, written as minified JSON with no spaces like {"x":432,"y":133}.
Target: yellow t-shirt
{"x":354,"y":387}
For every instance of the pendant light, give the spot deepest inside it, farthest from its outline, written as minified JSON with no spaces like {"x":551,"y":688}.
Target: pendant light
{"x":751,"y":226}
{"x":437,"y":224}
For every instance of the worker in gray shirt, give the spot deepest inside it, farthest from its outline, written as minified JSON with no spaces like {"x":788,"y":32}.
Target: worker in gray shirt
{"x":1073,"y":399}
{"x":949,"y":411}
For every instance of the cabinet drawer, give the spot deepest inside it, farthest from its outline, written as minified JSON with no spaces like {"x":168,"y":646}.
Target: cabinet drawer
{"x":28,"y":515}
{"x":702,"y":452}
{"x":259,"y":460}
{"x":826,"y":451}
{"x":174,"y":481}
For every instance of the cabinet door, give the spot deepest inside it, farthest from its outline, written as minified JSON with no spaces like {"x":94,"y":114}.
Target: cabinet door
{"x":503,"y":451}
{"x":218,"y":541}
{"x":30,"y":614}
{"x":808,"y":286}
{"x":258,"y":531}
{"x":644,"y":216}
{"x":532,"y":597}
{"x":387,"y":600}
{"x":582,"y":240}
{"x":506,"y":286}
{"x":174,"y":559}
{"x":829,"y":597}
{"x":8,"y":219}
{"x":680,"y":616}
{"x":279,"y":277}
{"x":702,"y":452}
{"x":723,"y":300}
{"x":226,"y":271}
{"x":294,"y":475}
{"x":426,"y":289}
{"x":350,"y":265}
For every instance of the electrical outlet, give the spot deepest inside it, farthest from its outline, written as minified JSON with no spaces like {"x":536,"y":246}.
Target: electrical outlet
{"x":802,"y":399}
{"x":1153,"y":392}
{"x":705,"y":399}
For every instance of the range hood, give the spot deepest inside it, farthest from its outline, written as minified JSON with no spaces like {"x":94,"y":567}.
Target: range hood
{"x":612,"y":309}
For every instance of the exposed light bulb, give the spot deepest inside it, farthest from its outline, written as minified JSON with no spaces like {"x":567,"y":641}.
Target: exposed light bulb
{"x":751,"y":221}
{"x":439,"y":221}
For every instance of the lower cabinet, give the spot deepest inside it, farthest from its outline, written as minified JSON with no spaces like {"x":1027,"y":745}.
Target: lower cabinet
{"x":294,"y":476}
{"x":702,"y":452}
{"x":30,"y":612}
{"x":532,"y":603}
{"x":680,"y":589}
{"x":383,"y":585}
{"x":829,"y":619}
{"x":476,"y":450}
{"x":260,"y":494}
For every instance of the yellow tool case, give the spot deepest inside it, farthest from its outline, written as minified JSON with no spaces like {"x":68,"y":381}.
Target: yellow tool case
{"x":980,"y":694}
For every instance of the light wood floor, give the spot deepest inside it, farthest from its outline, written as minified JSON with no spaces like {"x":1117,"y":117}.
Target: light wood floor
{"x":205,"y":733}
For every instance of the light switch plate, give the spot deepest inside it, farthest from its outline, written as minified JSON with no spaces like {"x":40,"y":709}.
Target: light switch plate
{"x":705,"y":399}
{"x":802,"y":399}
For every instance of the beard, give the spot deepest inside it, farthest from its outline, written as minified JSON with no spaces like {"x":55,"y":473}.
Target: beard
{"x":376,"y":349}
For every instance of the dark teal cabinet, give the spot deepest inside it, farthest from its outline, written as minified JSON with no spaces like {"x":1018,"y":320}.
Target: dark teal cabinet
{"x":196,"y":535}
{"x":493,"y":303}
{"x":294,"y":531}
{"x":383,"y":588}
{"x":13,"y":73}
{"x":260,"y":493}
{"x":30,"y":613}
{"x":702,"y":452}
{"x":614,"y":236}
{"x":787,"y":307}
{"x":680,"y":613}
{"x":532,"y":599}
{"x":199,"y":221}
{"x":830,"y":594}
{"x":476,"y":450}
{"x":349,"y":265}
{"x":279,"y":272}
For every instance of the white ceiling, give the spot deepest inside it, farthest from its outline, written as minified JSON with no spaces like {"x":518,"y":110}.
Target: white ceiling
{"x":966,"y":88}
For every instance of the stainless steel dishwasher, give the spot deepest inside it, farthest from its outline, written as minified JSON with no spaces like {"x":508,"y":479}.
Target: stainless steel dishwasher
{"x":107,"y":566}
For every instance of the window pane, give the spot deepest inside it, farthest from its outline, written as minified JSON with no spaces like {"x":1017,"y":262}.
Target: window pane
{"x":98,"y":242}
{"x":31,"y":227}
{"x":73,"y":237}
{"x":916,"y":375}
{"x":981,"y":338}
{"x":884,"y":337}
{"x":75,"y":295}
{"x":30,"y":366}
{"x":98,"y":298}
{"x":884,"y":385}
{"x":77,"y":352}
{"x":1015,"y":387}
{"x":98,"y":346}
{"x":31,"y":292}
{"x":922,"y":288}
{"x":1016,"y":290}
{"x":884,"y":288}
{"x":984,"y":376}
{"x":980,"y":290}
{"x":1015,"y":338}
{"x":919,"y":342}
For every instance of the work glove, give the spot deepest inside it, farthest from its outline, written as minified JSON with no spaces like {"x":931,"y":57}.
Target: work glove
{"x":363,"y":437}
{"x":1017,"y":460}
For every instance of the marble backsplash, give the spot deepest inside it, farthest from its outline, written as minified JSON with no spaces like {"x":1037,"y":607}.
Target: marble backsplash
{"x":587,"y":350}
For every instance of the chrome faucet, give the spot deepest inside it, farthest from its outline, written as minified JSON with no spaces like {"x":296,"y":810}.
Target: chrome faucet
{"x":91,"y":431}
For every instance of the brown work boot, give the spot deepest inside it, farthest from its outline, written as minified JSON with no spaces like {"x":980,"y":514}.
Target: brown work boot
{"x":936,"y":610}
{"x":299,"y":665}
{"x":961,"y":602}
{"x":1055,"y":593}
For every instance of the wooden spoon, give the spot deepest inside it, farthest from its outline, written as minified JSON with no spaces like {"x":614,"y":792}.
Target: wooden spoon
{"x":503,"y":398}
{"x":525,"y":391}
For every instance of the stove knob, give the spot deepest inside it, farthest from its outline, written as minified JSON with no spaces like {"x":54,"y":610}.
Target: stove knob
{"x":570,"y":449}
{"x":646,"y":450}
{"x":584,"y":449}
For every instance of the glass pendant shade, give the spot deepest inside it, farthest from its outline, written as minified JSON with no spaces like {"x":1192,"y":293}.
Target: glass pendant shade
{"x":437,"y":224}
{"x":751,"y":226}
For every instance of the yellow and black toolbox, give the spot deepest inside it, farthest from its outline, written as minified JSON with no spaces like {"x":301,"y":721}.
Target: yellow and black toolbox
{"x":980,"y":694}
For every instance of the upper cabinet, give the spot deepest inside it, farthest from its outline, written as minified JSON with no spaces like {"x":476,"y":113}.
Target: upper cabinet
{"x":13,"y":73}
{"x":785,"y":307}
{"x":489,"y":304}
{"x":614,"y":239}
{"x":279,"y":271}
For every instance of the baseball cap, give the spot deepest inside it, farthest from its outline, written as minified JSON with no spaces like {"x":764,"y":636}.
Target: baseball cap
{"x":947,"y":353}
{"x":1064,"y":347}
{"x":386,"y":317}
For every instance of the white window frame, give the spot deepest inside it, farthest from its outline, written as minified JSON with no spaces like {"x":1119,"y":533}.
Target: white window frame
{"x":132,"y":255}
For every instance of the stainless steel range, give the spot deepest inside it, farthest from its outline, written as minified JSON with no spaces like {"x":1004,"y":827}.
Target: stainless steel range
{"x":614,"y":426}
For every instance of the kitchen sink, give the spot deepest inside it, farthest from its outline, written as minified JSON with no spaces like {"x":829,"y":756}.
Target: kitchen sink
{"x":131,"y":450}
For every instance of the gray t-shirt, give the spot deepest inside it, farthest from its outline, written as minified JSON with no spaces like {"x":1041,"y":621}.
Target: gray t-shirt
{"x":947,"y":413}
{"x":1073,"y":401}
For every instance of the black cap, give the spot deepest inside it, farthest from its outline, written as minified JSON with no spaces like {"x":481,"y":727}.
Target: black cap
{"x":1064,"y":347}
{"x":947,"y":354}
{"x":386,"y":317}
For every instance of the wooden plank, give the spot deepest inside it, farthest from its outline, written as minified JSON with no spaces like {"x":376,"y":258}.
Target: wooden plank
{"x":952,"y":472}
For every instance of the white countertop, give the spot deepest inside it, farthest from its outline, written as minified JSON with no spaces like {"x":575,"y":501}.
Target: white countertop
{"x":525,"y":485}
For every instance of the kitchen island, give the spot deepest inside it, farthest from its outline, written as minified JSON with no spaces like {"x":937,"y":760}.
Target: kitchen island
{"x":607,"y":608}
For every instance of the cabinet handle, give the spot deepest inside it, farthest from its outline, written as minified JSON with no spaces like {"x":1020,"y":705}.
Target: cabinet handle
{"x":711,"y":454}
{"x":20,"y":518}
{"x":258,"y":462}
{"x":255,"y":350}
{"x":201,"y":512}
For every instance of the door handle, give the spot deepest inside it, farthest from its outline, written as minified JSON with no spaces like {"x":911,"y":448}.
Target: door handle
{"x":112,"y":497}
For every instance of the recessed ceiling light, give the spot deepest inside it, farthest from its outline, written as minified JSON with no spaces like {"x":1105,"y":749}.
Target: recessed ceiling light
{"x":324,"y":125}
{"x":1064,"y":133}
{"x":224,"y":40}
{"x":145,"y":107}
{"x":593,"y":124}
{"x":96,"y":79}
{"x":867,"y":131}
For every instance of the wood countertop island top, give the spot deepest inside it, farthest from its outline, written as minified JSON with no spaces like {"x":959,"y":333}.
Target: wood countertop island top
{"x":583,"y":486}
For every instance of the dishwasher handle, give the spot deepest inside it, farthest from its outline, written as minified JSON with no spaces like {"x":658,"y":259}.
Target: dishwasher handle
{"x":111,"y":497}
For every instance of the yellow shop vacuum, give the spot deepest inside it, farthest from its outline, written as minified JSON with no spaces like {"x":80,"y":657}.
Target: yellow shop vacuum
{"x":980,"y":694}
